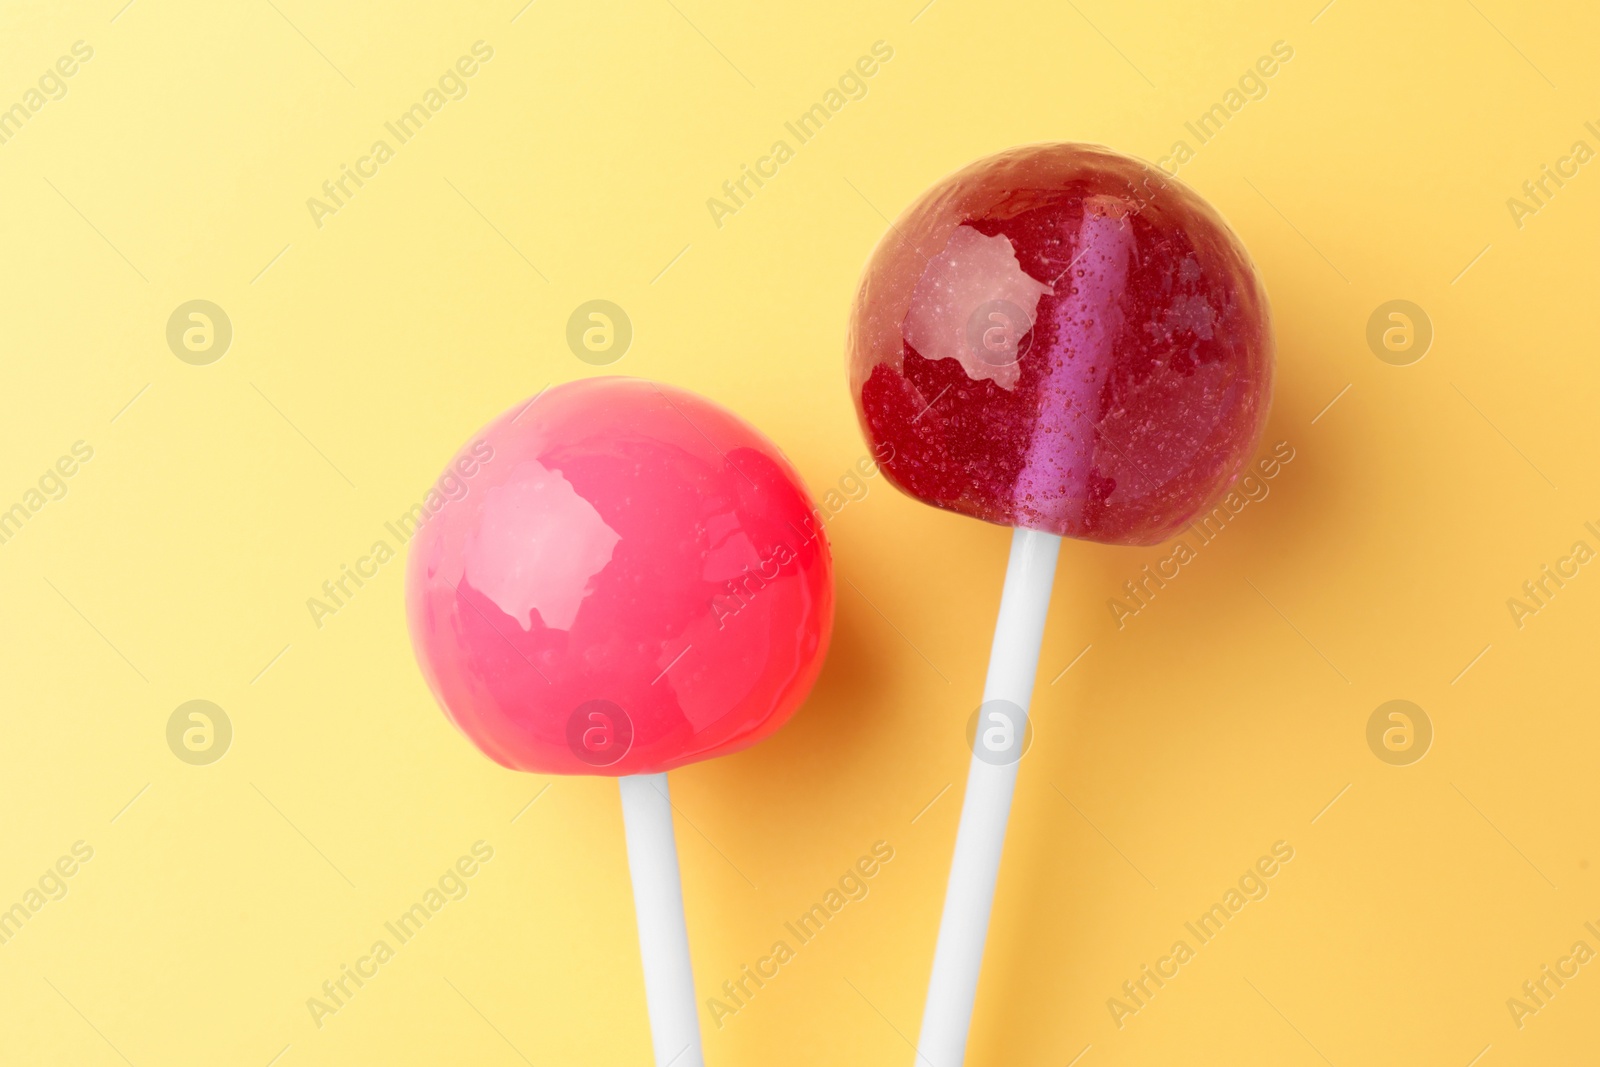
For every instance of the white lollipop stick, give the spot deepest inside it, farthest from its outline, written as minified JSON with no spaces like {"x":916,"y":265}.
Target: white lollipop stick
{"x":663,"y":936}
{"x":1013,"y":662}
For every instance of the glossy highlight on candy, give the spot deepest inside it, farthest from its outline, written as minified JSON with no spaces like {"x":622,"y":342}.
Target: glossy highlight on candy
{"x":635,"y":580}
{"x":1066,"y":339}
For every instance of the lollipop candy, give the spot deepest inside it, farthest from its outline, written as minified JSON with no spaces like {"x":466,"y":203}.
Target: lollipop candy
{"x":1066,"y":341}
{"x":634,"y":581}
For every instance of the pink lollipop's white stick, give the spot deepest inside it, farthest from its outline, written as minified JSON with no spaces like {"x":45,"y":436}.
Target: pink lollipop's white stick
{"x":991,"y":780}
{"x":663,"y":936}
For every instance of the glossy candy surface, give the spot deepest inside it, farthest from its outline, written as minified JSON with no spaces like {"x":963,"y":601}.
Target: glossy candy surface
{"x":1063,"y":338}
{"x":632,"y":579}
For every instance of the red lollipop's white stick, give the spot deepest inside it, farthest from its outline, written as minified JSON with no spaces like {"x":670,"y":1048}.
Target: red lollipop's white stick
{"x":991,"y":779}
{"x":663,"y":936}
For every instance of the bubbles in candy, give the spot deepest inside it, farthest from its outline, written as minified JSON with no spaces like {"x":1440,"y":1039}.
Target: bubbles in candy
{"x":632,"y":579}
{"x":1066,"y":339}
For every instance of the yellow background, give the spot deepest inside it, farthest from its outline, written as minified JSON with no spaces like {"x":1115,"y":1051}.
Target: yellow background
{"x":1221,"y":719}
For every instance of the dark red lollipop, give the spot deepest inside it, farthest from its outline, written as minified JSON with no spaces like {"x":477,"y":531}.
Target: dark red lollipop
{"x":1066,"y":341}
{"x":1063,"y":338}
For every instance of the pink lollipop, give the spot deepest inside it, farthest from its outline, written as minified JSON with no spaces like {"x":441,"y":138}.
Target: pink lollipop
{"x":634,"y":581}
{"x":1063,"y":340}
